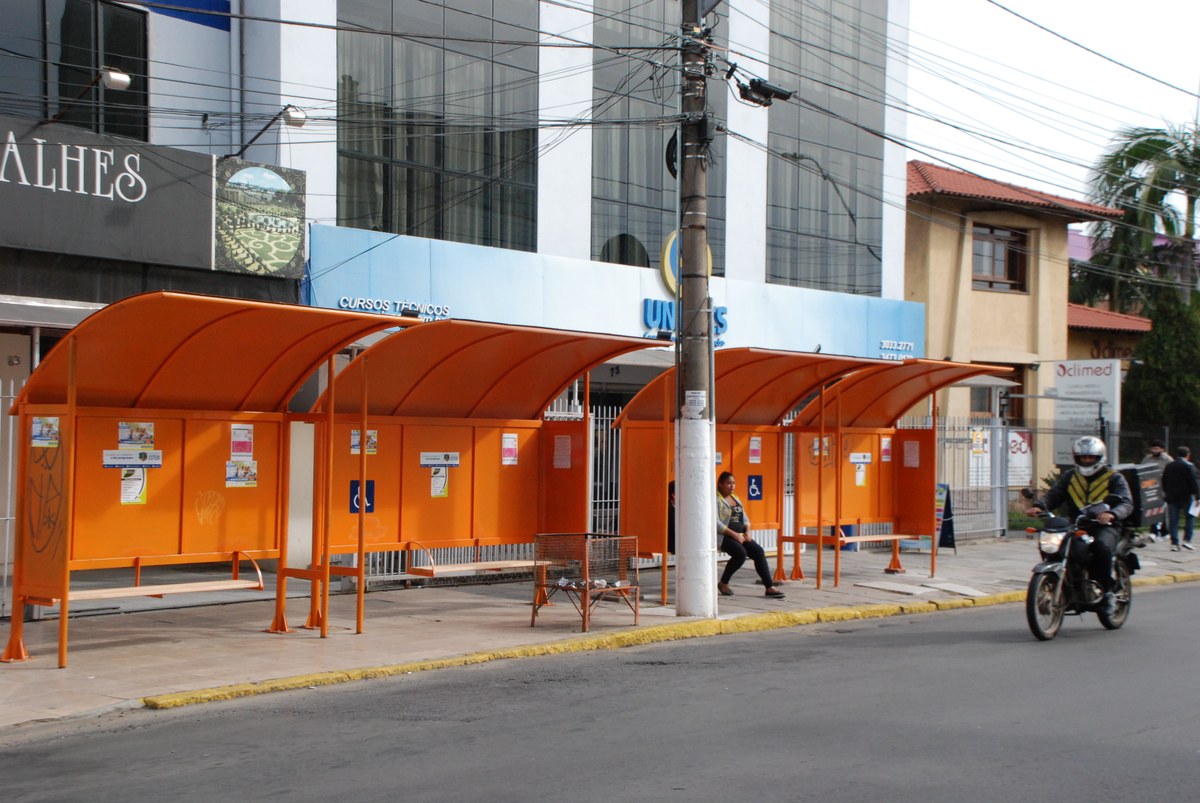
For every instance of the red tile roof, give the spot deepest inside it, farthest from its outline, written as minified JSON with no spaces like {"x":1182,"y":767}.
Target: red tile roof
{"x":1081,"y":317}
{"x":929,"y":179}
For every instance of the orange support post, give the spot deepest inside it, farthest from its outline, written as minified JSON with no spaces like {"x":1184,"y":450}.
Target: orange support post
{"x":327,"y":521}
{"x":313,"y":571}
{"x":362,"y":507}
{"x":894,"y":567}
{"x":837,"y":490}
{"x":821,"y":488}
{"x":72,"y":427}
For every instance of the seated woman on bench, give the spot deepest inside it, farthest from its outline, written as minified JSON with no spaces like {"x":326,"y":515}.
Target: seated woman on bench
{"x":733,"y":530}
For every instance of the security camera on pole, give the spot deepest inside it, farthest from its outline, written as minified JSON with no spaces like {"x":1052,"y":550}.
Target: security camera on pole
{"x":696,"y":570}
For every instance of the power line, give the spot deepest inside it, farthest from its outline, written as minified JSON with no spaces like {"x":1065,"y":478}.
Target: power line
{"x":1081,"y":46}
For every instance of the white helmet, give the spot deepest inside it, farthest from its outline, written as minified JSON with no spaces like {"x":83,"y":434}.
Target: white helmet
{"x":1088,"y":446}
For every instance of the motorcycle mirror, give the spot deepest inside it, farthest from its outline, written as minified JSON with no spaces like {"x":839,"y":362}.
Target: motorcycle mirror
{"x":1025,"y":492}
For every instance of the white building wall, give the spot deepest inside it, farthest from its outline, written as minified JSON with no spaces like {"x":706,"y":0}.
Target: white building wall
{"x":565,"y":154}
{"x":189,"y":77}
{"x":297,"y":65}
{"x":746,"y":168}
{"x":895,"y":169}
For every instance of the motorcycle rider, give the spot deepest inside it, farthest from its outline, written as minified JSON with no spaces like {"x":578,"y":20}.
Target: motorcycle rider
{"x":1091,"y":481}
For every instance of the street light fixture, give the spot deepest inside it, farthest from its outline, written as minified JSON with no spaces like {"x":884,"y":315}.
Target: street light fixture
{"x":111,"y":77}
{"x":291,"y":115}
{"x":117,"y":80}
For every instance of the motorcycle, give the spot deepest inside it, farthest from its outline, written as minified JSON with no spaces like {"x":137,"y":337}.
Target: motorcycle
{"x":1060,"y":583}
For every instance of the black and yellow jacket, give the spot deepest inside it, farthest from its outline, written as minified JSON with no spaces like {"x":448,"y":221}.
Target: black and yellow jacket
{"x":1075,"y":492}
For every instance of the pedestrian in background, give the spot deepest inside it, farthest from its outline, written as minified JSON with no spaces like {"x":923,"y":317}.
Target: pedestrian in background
{"x":1180,"y":489}
{"x":1157,"y":454}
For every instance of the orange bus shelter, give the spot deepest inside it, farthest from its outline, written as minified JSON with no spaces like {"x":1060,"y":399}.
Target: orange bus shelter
{"x":459,"y":451}
{"x":855,"y":469}
{"x":755,"y":391}
{"x":155,"y":434}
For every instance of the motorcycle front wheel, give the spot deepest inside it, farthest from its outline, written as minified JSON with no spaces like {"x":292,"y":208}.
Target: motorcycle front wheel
{"x":1124,"y":595}
{"x":1044,"y":605}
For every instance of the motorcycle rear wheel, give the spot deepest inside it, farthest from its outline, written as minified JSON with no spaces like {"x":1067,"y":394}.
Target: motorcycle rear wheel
{"x":1044,"y":605}
{"x":1124,"y":594}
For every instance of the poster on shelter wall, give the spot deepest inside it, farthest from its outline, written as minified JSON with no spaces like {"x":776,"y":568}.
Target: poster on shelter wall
{"x":372,"y":441}
{"x":241,"y":474}
{"x":128,"y":458}
{"x":508,"y":449}
{"x":133,"y":486}
{"x":260,"y":219}
{"x":45,"y":432}
{"x":755,"y":450}
{"x":135,"y":435}
{"x":241,"y":442}
{"x":439,"y":482}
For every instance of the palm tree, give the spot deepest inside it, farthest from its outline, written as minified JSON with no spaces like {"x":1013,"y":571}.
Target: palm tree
{"x":1147,"y":173}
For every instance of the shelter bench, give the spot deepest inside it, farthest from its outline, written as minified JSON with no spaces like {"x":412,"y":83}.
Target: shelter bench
{"x":15,"y":650}
{"x":837,"y":540}
{"x":159,"y":589}
{"x":435,"y":569}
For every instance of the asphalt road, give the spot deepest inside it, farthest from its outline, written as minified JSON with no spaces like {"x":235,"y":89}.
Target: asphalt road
{"x":954,"y":706}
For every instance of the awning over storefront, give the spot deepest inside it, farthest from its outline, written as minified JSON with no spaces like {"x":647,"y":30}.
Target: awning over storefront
{"x":466,"y":369}
{"x":169,"y":350}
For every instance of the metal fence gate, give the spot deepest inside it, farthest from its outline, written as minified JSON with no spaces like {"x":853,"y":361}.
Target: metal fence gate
{"x":606,"y":470}
{"x":973,"y":463}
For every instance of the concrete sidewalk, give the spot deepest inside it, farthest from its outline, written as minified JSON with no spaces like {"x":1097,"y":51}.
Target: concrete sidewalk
{"x":176,"y":656}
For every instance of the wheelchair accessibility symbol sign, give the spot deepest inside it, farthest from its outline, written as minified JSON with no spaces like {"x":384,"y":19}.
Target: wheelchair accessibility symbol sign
{"x":754,"y":486}
{"x":354,"y":502}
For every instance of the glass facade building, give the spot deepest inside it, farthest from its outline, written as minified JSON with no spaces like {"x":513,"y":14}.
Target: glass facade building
{"x":52,"y":50}
{"x":634,"y":195}
{"x":438,"y":129}
{"x":437,"y":110}
{"x":825,"y":188}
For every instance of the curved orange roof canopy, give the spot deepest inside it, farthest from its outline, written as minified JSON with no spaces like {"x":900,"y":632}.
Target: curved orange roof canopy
{"x":753,"y":386}
{"x":877,"y":397}
{"x":467,"y":369}
{"x":169,"y":350}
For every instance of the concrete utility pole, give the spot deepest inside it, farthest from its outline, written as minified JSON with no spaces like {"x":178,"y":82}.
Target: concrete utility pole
{"x":696,"y":570}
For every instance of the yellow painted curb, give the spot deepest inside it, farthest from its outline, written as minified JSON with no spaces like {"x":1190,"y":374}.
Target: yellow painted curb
{"x":1186,"y":577}
{"x":1000,"y":599}
{"x":655,"y":634}
{"x":952,"y":604}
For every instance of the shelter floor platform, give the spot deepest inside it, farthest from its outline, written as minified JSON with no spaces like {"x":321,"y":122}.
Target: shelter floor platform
{"x":144,"y":648}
